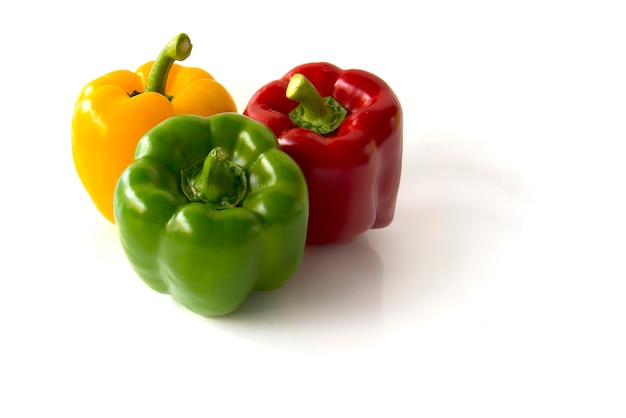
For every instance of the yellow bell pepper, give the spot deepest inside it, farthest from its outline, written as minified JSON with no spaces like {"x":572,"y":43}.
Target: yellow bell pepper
{"x":114,"y":111}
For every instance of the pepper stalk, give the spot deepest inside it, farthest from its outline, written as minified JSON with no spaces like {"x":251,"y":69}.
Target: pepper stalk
{"x":319,"y":114}
{"x":216,"y":181}
{"x":177,"y":49}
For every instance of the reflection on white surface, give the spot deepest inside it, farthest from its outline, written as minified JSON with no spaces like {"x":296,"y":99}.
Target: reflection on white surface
{"x":333,"y":301}
{"x":458,"y":209}
{"x":497,"y":291}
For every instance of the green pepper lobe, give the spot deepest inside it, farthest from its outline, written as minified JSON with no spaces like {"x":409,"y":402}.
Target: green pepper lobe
{"x":211,"y":260}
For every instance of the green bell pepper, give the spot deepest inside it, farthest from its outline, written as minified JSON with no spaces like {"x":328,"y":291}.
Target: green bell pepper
{"x":210,"y":210}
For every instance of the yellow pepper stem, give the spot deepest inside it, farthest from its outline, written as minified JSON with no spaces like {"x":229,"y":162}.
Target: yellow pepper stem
{"x":178,"y":49}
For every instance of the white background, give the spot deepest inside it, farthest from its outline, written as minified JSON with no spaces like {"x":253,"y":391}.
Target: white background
{"x":498,"y":290}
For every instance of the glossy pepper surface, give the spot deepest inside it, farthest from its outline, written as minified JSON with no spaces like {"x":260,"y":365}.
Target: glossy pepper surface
{"x":344,"y":129}
{"x":210,"y":210}
{"x":113,"y":111}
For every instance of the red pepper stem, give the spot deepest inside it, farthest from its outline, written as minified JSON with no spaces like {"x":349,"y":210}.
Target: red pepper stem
{"x":320,"y":114}
{"x":177,"y":49}
{"x":303,"y":91}
{"x":217,"y":181}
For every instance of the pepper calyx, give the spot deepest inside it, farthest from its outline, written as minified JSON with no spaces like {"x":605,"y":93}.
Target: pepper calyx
{"x":322,"y":115}
{"x":215,"y":181}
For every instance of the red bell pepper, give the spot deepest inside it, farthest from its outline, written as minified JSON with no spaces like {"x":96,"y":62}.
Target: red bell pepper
{"x":344,"y":129}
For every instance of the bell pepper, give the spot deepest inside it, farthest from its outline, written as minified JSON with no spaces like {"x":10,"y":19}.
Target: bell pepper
{"x":344,"y":129}
{"x":113,"y":111}
{"x":210,"y":210}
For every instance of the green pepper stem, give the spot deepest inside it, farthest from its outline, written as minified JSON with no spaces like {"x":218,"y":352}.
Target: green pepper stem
{"x":177,"y":49}
{"x":320,"y":114}
{"x":216,"y":181}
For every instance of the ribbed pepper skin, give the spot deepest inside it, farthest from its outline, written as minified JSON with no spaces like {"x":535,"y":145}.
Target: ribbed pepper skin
{"x":210,"y":259}
{"x":108,"y":120}
{"x":353,"y":174}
